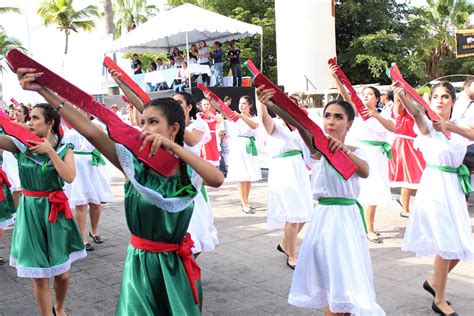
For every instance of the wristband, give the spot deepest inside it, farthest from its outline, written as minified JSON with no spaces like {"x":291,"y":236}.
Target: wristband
{"x":60,"y":106}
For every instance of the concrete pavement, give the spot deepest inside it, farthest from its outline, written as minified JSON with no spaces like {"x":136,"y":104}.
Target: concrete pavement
{"x":245,"y":275}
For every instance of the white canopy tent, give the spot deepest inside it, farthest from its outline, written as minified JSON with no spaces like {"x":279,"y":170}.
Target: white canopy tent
{"x":183,"y":25}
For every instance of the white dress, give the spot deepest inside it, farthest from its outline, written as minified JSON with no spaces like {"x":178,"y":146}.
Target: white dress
{"x":201,"y":227}
{"x":289,"y":188}
{"x":242,"y":166}
{"x":334,"y":266}
{"x":375,"y":189}
{"x":91,"y":184}
{"x":439,"y":222}
{"x":10,"y":166}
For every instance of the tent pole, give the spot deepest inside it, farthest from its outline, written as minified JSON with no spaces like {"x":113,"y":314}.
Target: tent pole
{"x":261,"y":52}
{"x":187,"y":59}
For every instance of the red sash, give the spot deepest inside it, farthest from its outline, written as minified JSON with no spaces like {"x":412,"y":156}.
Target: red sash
{"x":224,"y":108}
{"x":3,"y":179}
{"x":339,"y":160}
{"x":183,"y":251}
{"x":395,"y":74}
{"x":354,"y":97}
{"x":162,"y":162}
{"x":110,"y":64}
{"x":58,"y":201}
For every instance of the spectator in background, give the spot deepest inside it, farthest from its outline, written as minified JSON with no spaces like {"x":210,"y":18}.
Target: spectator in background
{"x":203,"y":59}
{"x":160,"y":65}
{"x":193,"y":53}
{"x":218,"y":58}
{"x":234,"y":56}
{"x":183,"y":77}
{"x":386,"y":96}
{"x":178,"y":56}
{"x":136,"y":65}
{"x":153,"y":66}
{"x":172,"y":63}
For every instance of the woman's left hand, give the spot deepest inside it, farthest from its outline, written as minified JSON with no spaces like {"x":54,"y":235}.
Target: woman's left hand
{"x":157,"y":141}
{"x":41,"y":147}
{"x":335,"y":144}
{"x":441,"y":126}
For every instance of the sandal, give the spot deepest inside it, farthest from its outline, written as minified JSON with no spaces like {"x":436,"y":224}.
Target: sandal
{"x":377,"y":240}
{"x":404,"y":215}
{"x":2,"y":261}
{"x":89,"y":247}
{"x":97,"y":239}
{"x":280,"y":249}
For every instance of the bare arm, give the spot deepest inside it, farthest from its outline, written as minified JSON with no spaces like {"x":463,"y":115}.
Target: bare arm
{"x":132,"y":97}
{"x":66,"y":168}
{"x":7,"y":144}
{"x":342,"y":90}
{"x":193,"y":137}
{"x":247,"y":120}
{"x":467,"y":132}
{"x":412,"y":108}
{"x":388,"y":124}
{"x":262,"y":111}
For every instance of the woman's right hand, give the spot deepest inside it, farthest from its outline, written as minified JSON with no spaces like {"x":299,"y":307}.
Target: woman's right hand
{"x":264,"y":95}
{"x":115,"y":74}
{"x":333,"y":70}
{"x":397,"y":87}
{"x":27,"y":79}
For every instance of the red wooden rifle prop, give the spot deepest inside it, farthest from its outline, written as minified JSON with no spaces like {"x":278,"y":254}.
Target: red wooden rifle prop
{"x":223,"y":107}
{"x":18,"y":131}
{"x":162,"y":162}
{"x":354,"y":97}
{"x":126,"y":80}
{"x":339,"y":160}
{"x":395,"y":74}
{"x":15,"y":102}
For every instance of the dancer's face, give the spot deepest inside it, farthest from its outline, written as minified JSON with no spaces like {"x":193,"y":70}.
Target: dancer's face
{"x":186,"y":107}
{"x":19,"y":114}
{"x":336,"y":122}
{"x":38,"y":125}
{"x":442,"y":102}
{"x":369,"y":99}
{"x":154,"y":121}
{"x":244,"y":106}
{"x":206,"y":106}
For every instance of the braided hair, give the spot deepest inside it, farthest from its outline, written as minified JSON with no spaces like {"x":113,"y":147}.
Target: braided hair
{"x":173,"y":113}
{"x":51,"y":115}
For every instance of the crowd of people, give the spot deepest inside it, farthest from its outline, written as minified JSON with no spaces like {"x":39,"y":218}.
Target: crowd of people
{"x":201,"y":55}
{"x":170,"y":219}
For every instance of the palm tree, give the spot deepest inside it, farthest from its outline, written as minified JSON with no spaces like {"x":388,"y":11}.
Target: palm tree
{"x":62,"y":13}
{"x":130,"y":13}
{"x":441,"y":19}
{"x":7,"y":43}
{"x":9,"y":9}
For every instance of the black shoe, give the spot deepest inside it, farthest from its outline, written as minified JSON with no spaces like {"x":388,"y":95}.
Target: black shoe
{"x":54,"y":311}
{"x":430,"y":290}
{"x":89,"y":247}
{"x":281,"y":250}
{"x":292,"y":266}
{"x":437,"y":310}
{"x":405,"y":215}
{"x":2,"y":261}
{"x":97,"y":239}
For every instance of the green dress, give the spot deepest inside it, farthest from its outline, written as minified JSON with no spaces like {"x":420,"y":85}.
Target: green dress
{"x":155,"y":283}
{"x":42,"y":249}
{"x":7,"y":208}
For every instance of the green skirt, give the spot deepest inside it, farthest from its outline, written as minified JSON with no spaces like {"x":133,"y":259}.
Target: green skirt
{"x":43,"y":249}
{"x":156,"y":284}
{"x":7,"y":208}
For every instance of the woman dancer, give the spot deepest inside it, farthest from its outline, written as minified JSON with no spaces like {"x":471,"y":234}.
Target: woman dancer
{"x":45,"y":239}
{"x":334,"y":267}
{"x":407,"y":164}
{"x":209,"y":115}
{"x":243,"y":154}
{"x":10,"y":163}
{"x":7,"y":208}
{"x":90,"y":188}
{"x":439,"y":224}
{"x":371,"y":135}
{"x":196,"y":135}
{"x":154,"y":280}
{"x":289,"y":190}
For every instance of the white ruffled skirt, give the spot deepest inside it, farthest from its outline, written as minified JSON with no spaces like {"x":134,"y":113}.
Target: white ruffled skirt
{"x":289,"y":192}
{"x":334,"y":266}
{"x":10,"y":166}
{"x":242,"y":166}
{"x":90,"y":184}
{"x":439,"y":223}
{"x":202,"y":229}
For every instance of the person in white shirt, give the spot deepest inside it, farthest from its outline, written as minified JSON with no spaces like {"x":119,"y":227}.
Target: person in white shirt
{"x":160,"y":65}
{"x":464,"y":107}
{"x":203,"y":59}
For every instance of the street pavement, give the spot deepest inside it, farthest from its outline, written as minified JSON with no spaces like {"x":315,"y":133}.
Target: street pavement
{"x":245,"y":274}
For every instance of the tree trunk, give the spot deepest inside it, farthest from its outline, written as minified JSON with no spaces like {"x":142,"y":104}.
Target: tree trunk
{"x":67,"y":43}
{"x":110,"y":29}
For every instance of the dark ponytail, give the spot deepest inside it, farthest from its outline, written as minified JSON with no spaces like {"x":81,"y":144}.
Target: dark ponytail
{"x":174,"y":113}
{"x":51,"y":115}
{"x":26,"y":113}
{"x":189,"y":98}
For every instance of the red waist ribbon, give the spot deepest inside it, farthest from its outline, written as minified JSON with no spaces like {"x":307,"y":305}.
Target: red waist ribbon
{"x":57,"y":199}
{"x":3,"y":179}
{"x":183,"y":250}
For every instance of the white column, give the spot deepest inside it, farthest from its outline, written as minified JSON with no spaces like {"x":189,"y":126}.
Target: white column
{"x":305,"y":40}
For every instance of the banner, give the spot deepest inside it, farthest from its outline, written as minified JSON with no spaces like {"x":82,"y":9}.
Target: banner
{"x":465,"y":43}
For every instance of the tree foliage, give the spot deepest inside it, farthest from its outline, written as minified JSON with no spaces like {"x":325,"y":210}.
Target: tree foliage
{"x":128,"y":14}
{"x":67,"y":18}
